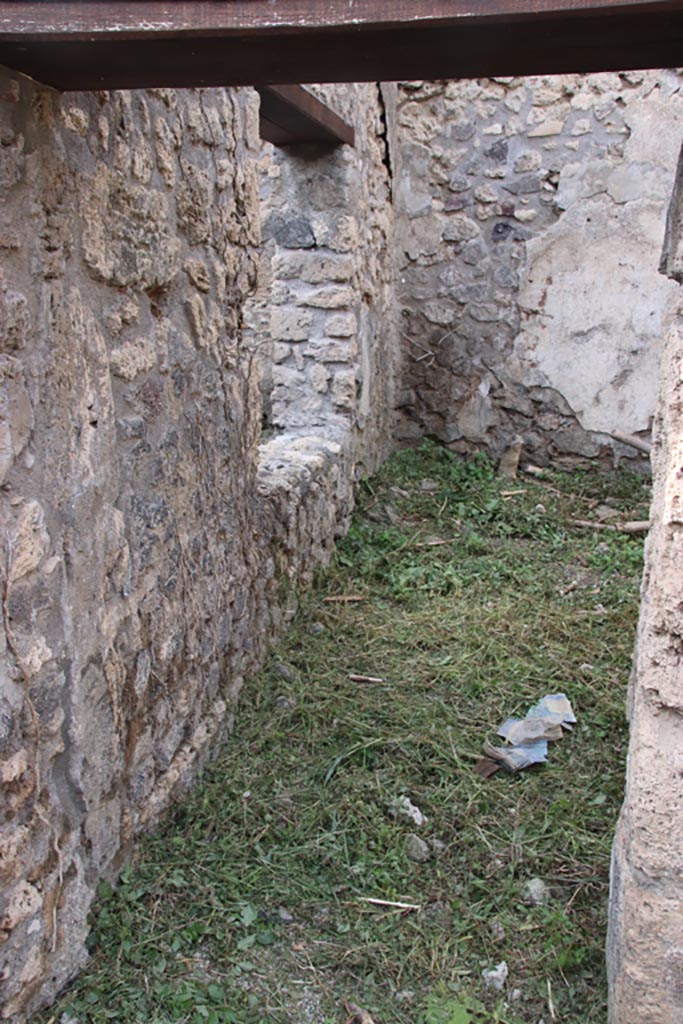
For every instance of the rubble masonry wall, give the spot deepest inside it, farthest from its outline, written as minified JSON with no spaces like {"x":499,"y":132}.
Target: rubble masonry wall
{"x":152,"y":538}
{"x":149,"y":544}
{"x":531,"y":221}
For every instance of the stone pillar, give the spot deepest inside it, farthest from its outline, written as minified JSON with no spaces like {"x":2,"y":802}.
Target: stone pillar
{"x":645,"y":937}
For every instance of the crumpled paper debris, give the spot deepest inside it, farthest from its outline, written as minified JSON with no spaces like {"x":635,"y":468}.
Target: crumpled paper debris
{"x":527,"y":738}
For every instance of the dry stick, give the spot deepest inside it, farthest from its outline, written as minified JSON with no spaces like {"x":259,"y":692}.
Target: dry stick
{"x":561,"y":494}
{"x":435,"y":543}
{"x":390,"y":903}
{"x":344,"y":598}
{"x":632,"y":441}
{"x":635,"y":526}
{"x":26,"y":680}
{"x":366,"y":679}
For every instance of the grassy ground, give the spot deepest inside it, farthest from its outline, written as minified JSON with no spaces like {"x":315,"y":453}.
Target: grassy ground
{"x":250,"y":903}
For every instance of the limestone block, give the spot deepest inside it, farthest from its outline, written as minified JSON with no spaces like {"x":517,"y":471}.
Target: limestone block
{"x":198,"y":273}
{"x":12,"y":768}
{"x":313,"y":268}
{"x":460,"y":229}
{"x":319,"y":377}
{"x":290,"y":232}
{"x":546,"y":128}
{"x":525,"y":162}
{"x":286,"y":377}
{"x":287,"y":324}
{"x":439,"y":312}
{"x":331,"y":297}
{"x":331,"y":350}
{"x":343,"y":325}
{"x":16,"y":413}
{"x":23,"y":901}
{"x":343,"y":236}
{"x":193,"y":202}
{"x":425,"y":237}
{"x":14,"y":319}
{"x":12,"y":845}
{"x":280,"y":351}
{"x":123,"y":312}
{"x":344,"y":389}
{"x":133,"y":358}
{"x":127,"y":236}
{"x":29,"y":539}
{"x":582,"y":126}
{"x":485,"y":194}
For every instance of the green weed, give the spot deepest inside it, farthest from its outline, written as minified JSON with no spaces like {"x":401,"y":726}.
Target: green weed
{"x":250,"y":903}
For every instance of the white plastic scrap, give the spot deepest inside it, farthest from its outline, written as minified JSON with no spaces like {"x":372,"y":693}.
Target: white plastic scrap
{"x":495,"y":977}
{"x":403,"y":807}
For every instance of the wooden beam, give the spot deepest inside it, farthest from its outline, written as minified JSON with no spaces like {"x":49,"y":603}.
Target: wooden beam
{"x":86,"y":45}
{"x":290,"y":114}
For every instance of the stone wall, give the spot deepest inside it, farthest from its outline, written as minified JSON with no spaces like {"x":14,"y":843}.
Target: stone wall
{"x":322,"y":327}
{"x":153,"y":538}
{"x":148,"y":545}
{"x":533,"y":214}
{"x":322,"y":321}
{"x":644,"y":948}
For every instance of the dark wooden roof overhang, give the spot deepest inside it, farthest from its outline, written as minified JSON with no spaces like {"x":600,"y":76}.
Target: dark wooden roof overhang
{"x":98,"y":45}
{"x":290,"y":114}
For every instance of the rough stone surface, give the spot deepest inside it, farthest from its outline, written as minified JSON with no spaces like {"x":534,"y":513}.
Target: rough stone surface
{"x":153,"y":537}
{"x":150,"y":544}
{"x":322,"y":322}
{"x":530,"y":225}
{"x":644,"y":950}
{"x":417,"y":849}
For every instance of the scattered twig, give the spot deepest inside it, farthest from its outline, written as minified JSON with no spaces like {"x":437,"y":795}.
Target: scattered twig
{"x":554,"y":490}
{"x":632,"y":441}
{"x":512,"y":494}
{"x":390,"y":903}
{"x":634,"y":526}
{"x":588,"y":524}
{"x":576,"y":892}
{"x":435,"y":543}
{"x":344,"y":598}
{"x":551,"y":1005}
{"x":366,"y":679}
